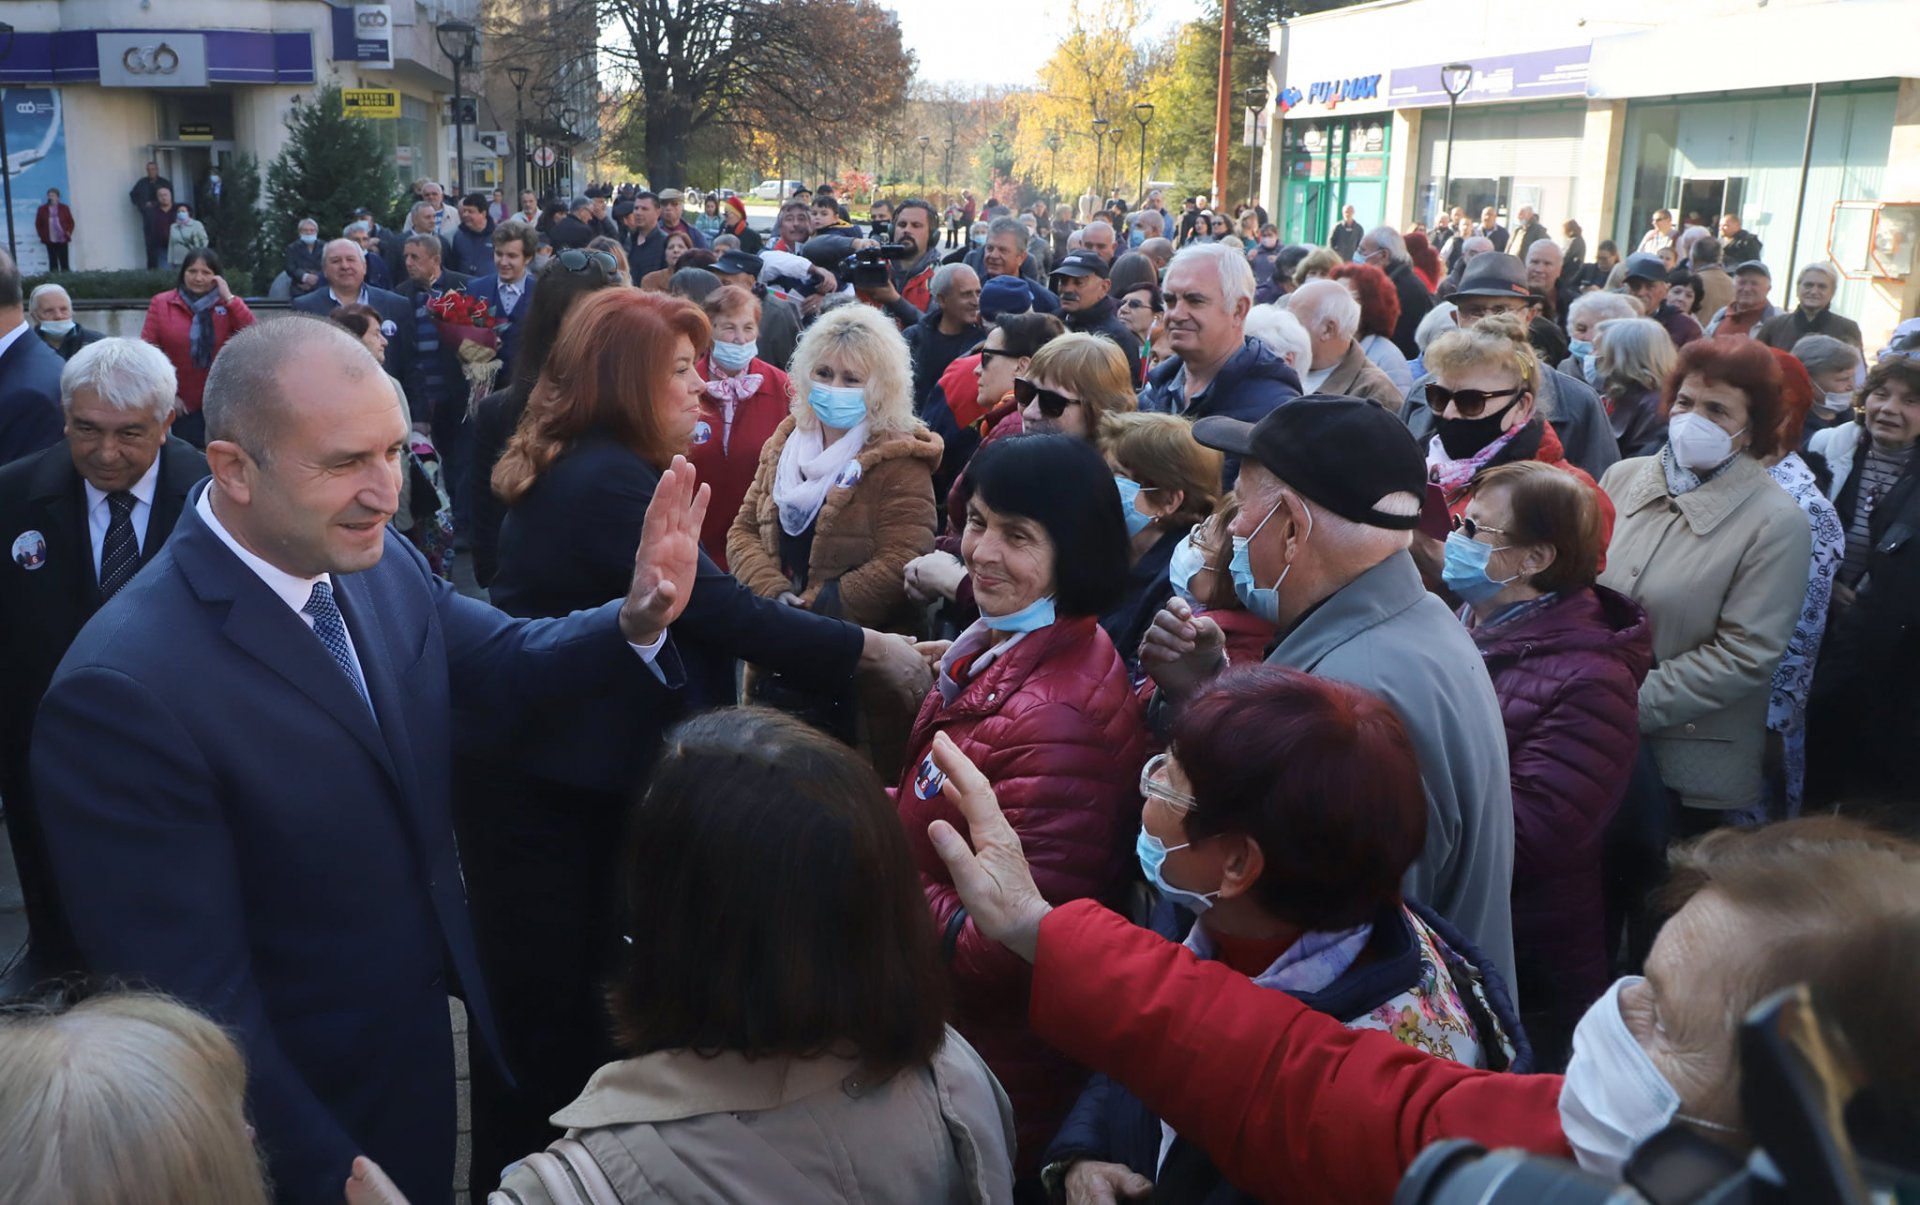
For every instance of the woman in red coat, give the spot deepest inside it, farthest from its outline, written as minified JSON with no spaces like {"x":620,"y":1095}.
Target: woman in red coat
{"x":745,"y":399}
{"x":191,"y":323}
{"x":53,"y":222}
{"x":1567,"y":659}
{"x":1037,"y":695}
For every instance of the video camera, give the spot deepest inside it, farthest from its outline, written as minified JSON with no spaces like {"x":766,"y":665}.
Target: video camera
{"x":870,"y":263}
{"x":1819,"y":1139}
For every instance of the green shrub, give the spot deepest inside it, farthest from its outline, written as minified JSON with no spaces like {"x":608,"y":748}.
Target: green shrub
{"x":129,"y":284}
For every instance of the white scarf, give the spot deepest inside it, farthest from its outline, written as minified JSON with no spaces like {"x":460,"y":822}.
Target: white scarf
{"x":808,"y":470}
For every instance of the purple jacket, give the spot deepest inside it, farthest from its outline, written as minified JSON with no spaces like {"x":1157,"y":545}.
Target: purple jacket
{"x":1568,"y":679}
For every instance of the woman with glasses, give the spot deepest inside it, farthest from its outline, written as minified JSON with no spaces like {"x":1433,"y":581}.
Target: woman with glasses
{"x":1035,"y":693}
{"x":1167,"y":483}
{"x":1140,"y":310}
{"x":1275,"y":832}
{"x":1567,"y":658}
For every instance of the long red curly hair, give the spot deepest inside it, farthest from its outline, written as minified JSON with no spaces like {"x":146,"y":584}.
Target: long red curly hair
{"x":1379,"y":300}
{"x":1426,"y":261}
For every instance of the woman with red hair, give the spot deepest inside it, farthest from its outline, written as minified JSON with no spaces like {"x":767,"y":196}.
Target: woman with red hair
{"x":1379,"y":315}
{"x":1718,"y":555}
{"x":618,"y":396}
{"x":1426,"y":261}
{"x":1276,"y":829}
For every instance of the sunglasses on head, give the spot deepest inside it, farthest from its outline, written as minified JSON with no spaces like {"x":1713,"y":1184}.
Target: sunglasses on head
{"x":573,"y":259}
{"x":1052,"y":405}
{"x":1471,"y":403}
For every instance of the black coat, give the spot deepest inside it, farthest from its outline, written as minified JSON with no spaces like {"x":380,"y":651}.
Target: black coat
{"x":933,"y":350}
{"x":75,"y":339}
{"x":569,"y":544}
{"x":30,"y":417}
{"x":1103,"y":318}
{"x":570,"y":232}
{"x":1415,"y":304}
{"x":303,"y":258}
{"x":493,"y":422}
{"x":41,"y":611}
{"x":647,"y":254}
{"x":402,"y":345}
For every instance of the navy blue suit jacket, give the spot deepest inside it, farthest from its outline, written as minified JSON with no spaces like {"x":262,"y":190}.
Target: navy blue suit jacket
{"x":227,"y":821}
{"x":30,"y":417}
{"x":488,"y":286}
{"x":402,"y":346}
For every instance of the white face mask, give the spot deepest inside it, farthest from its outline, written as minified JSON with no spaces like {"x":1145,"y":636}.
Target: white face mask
{"x":1698,"y":443}
{"x":1613,"y":1098}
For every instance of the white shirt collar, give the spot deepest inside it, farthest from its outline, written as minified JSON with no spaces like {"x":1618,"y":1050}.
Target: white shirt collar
{"x":143,"y":490}
{"x":360,"y":300}
{"x":294,"y":591}
{"x":7,"y":339}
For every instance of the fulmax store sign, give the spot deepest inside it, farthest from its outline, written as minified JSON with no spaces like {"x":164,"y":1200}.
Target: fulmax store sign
{"x":1331,"y":93}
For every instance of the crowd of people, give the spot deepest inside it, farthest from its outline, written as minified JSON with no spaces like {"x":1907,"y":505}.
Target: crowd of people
{"x":1112,"y":706}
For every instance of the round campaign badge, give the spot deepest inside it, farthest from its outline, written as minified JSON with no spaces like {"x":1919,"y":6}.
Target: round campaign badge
{"x":849,"y":476}
{"x":702,"y":432}
{"x":928,"y":779}
{"x":30,"y":550}
{"x":389,"y":329}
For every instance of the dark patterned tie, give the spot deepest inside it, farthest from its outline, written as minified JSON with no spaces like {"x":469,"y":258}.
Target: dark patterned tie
{"x":119,"y":552}
{"x":331,"y":628}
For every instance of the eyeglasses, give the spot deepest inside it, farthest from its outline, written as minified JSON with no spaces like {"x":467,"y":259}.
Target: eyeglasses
{"x":1153,"y":785}
{"x":1468,"y":528}
{"x":574,"y":260}
{"x":1052,"y":404}
{"x":988,"y":353}
{"x":1469,"y":402}
{"x":1134,"y":303}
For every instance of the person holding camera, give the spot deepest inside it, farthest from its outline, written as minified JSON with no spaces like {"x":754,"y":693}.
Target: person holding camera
{"x":1292,"y":1105}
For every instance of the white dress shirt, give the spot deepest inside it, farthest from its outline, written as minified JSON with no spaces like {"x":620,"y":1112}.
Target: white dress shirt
{"x":100,"y":512}
{"x":510,"y":294}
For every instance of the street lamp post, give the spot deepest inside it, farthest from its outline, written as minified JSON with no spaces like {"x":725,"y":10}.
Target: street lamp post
{"x":1454,"y":79}
{"x":6,"y":156}
{"x":517,"y":76}
{"x":1256,"y":99}
{"x":1143,"y":113}
{"x":1099,"y":162}
{"x":1053,"y":163}
{"x":999,"y":142}
{"x":568,"y":117}
{"x":946,"y":168}
{"x":925,"y":142}
{"x":457,"y":40}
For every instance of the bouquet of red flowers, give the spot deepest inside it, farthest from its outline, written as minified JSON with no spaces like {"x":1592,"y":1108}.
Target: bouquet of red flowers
{"x":469,"y":323}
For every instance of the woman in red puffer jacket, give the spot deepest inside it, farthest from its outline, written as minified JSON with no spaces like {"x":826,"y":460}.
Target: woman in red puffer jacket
{"x":1567,"y":658}
{"x":1038,"y":697}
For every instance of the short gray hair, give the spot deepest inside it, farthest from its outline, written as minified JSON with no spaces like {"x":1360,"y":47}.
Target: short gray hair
{"x":1439,"y":321}
{"x":47,"y":290}
{"x":244,"y":396}
{"x":1277,"y":327}
{"x":1155,"y":217}
{"x":131,"y":375}
{"x":1822,"y":267}
{"x":1636,"y":350}
{"x":332,"y":243}
{"x":356,"y":227}
{"x":944,"y":277}
{"x":1009,"y":225}
{"x":314,"y":222}
{"x":1599,"y":307}
{"x":1388,"y":239}
{"x":1817,"y":353}
{"x":1229,"y":262}
{"x":1319,"y":301}
{"x":430,"y":243}
{"x":417,"y":206}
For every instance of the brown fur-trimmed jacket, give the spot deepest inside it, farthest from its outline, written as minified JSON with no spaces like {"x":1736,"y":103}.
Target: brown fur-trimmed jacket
{"x":865,"y":533}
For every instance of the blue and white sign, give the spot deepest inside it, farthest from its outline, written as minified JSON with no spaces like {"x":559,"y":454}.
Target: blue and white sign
{"x":36,"y":161}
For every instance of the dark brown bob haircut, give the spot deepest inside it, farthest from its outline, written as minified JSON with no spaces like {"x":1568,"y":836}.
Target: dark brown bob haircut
{"x":773,"y":904}
{"x":1550,"y":506}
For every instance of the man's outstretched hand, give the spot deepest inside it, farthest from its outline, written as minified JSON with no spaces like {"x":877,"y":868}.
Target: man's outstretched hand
{"x":368,"y":1185}
{"x":992,"y":877}
{"x":668,"y":556}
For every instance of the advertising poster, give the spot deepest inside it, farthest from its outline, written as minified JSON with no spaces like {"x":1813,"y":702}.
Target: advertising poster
{"x":36,"y":161}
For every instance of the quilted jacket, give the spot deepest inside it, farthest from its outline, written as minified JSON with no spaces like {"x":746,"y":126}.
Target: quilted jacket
{"x":1568,"y":678}
{"x":1055,"y":727}
{"x":863,"y":537}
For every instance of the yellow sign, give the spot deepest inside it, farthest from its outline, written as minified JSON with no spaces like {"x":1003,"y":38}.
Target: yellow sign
{"x":370,"y":102}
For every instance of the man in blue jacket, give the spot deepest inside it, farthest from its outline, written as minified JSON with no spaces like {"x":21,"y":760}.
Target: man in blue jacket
{"x":1215,"y":368}
{"x":29,"y":376}
{"x":242,"y":763}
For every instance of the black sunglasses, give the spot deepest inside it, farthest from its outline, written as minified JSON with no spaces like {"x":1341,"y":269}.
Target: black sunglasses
{"x":573,"y":259}
{"x":1470,"y":402}
{"x":988,"y":353}
{"x":1468,"y":528}
{"x":1052,"y":405}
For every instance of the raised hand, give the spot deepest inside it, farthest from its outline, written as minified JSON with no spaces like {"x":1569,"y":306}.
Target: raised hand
{"x":668,"y":556}
{"x":992,"y":877}
{"x":1181,"y":650}
{"x":368,"y":1185}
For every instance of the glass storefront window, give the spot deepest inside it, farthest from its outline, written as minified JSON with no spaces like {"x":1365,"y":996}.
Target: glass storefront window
{"x":1742,"y":153}
{"x":1505,"y":156}
{"x":1330,"y":163}
{"x":405,"y":138}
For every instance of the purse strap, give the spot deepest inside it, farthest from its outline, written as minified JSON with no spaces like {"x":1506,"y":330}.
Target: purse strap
{"x":569,"y":1175}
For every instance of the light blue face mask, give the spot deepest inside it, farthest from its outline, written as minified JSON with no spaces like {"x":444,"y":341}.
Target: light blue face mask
{"x":58,"y":328}
{"x":1030,"y":618}
{"x":841,"y":408}
{"x":1264,"y":603}
{"x":309,"y":239}
{"x":1136,"y":522}
{"x":1188,"y":559}
{"x":735,"y":356}
{"x":1152,"y":852}
{"x":1581,"y":348}
{"x":1465,"y":569}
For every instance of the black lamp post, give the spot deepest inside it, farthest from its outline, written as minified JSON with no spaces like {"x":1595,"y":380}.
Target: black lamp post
{"x":517,"y":76}
{"x":1053,"y":162}
{"x":1099,"y":162}
{"x":457,"y":40}
{"x":1143,"y":113}
{"x":1454,"y":79}
{"x":1119,"y":134}
{"x":999,"y":142}
{"x":6,"y":157}
{"x":1256,"y":99}
{"x":925,"y":142}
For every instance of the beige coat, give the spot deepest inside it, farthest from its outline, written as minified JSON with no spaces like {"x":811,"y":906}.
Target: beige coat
{"x":1722,"y":573}
{"x":675,"y":1127}
{"x":1357,"y":376}
{"x":864,"y":536}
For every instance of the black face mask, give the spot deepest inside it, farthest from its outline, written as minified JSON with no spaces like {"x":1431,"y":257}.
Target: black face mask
{"x":1462,"y":437}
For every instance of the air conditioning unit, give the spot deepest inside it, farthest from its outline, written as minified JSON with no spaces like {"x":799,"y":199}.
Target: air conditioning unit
{"x":497,"y":141}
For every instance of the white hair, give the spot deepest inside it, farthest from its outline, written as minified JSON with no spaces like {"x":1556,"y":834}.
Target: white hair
{"x":1274,"y":326}
{"x":332,"y":243}
{"x":1153,"y":218}
{"x":1388,"y":239}
{"x":1229,"y":262}
{"x":1825,"y":269}
{"x":352,"y":228}
{"x":131,"y":375}
{"x":33,"y":299}
{"x":303,"y":223}
{"x":1599,"y":307}
{"x":944,"y":277}
{"x":1439,"y":321}
{"x":1320,"y":301}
